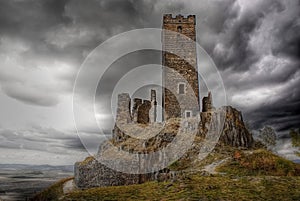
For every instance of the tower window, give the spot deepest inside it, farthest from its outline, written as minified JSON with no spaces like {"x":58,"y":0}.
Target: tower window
{"x":179,"y":29}
{"x":181,"y":88}
{"x":188,"y":114}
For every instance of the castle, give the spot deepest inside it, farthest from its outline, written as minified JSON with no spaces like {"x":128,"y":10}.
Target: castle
{"x":180,"y":85}
{"x":182,"y":73}
{"x":180,"y":100}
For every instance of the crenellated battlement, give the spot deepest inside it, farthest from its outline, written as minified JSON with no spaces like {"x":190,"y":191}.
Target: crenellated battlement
{"x":168,"y":18}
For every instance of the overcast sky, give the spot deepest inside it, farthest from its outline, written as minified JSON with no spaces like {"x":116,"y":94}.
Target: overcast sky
{"x":254,"y":44}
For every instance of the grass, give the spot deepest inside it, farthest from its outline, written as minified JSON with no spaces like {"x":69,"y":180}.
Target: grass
{"x":259,"y":163}
{"x":87,"y":160}
{"x":196,"y":187}
{"x":249,"y":175}
{"x":54,"y":192}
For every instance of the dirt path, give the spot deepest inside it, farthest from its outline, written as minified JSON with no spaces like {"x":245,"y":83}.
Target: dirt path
{"x":69,"y":186}
{"x":211,"y":168}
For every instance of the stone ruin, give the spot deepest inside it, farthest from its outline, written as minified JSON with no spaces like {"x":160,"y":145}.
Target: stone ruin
{"x":137,"y":117}
{"x":91,"y":173}
{"x":143,"y":111}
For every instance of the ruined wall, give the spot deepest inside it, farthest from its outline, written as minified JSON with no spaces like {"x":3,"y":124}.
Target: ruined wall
{"x":143,"y":112}
{"x":140,"y":112}
{"x":137,"y":102}
{"x":123,"y":109}
{"x":207,"y":104}
{"x":153,"y":110}
{"x":90,"y":173}
{"x":123,"y":116}
{"x":186,"y":67}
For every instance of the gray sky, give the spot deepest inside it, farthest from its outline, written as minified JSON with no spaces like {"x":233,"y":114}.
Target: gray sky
{"x":255,"y":45}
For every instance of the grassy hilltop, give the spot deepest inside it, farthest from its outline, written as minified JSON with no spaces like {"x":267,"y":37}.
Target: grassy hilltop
{"x":230,"y":174}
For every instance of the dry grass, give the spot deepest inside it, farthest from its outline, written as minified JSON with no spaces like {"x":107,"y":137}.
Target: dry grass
{"x":195,"y":187}
{"x":54,"y":192}
{"x":259,"y":162}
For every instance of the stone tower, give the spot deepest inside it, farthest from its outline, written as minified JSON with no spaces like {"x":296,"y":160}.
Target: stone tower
{"x":175,"y":87}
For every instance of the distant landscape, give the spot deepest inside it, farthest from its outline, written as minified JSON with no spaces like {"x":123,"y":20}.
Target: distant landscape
{"x":21,"y":182}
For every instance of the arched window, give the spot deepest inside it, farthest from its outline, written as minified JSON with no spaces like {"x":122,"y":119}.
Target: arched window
{"x":181,"y":88}
{"x":179,"y":29}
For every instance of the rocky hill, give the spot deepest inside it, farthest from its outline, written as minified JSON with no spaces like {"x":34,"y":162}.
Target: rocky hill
{"x":213,"y":157}
{"x":227,"y":173}
{"x":218,"y":127}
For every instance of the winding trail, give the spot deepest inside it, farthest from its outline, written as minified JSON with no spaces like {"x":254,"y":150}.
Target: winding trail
{"x":211,"y":168}
{"x":69,"y":186}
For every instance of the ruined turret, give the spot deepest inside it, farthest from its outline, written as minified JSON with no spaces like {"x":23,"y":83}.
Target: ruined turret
{"x":153,"y":110}
{"x":207,"y":104}
{"x":123,"y":110}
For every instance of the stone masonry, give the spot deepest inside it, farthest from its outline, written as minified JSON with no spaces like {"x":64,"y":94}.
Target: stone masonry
{"x":185,"y":69}
{"x":142,"y":112}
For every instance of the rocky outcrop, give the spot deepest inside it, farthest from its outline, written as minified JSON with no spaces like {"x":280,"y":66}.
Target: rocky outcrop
{"x":91,"y":173}
{"x":233,"y":130}
{"x":227,"y":120}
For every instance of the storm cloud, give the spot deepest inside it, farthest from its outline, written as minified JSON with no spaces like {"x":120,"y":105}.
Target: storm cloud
{"x":254,"y":44}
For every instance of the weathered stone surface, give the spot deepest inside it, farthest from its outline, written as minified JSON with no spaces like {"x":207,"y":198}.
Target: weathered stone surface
{"x":137,"y":102}
{"x":234,"y":132}
{"x":181,"y":69}
{"x":123,"y":110}
{"x":143,"y":112}
{"x":91,"y":173}
{"x":153,"y":110}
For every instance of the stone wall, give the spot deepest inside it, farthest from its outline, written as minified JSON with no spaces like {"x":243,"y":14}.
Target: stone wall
{"x":153,"y":109}
{"x":123,"y":111}
{"x":137,"y":102}
{"x":142,"y":112}
{"x":90,"y":173}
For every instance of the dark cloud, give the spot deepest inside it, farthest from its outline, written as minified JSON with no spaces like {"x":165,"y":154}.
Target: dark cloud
{"x":254,"y":44}
{"x":40,"y":138}
{"x":233,"y":49}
